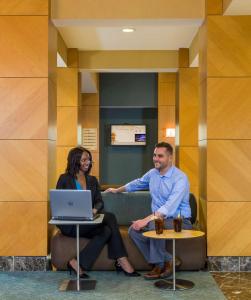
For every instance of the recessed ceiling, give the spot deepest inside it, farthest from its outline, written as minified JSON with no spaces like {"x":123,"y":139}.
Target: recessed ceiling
{"x":239,"y":7}
{"x":148,"y":35}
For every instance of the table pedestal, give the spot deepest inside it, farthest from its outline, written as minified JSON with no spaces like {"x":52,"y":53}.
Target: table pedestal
{"x":174,"y":284}
{"x":78,"y":285}
{"x":180,"y":284}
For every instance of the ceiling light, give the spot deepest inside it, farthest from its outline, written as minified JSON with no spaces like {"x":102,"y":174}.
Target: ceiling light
{"x":128,"y":29}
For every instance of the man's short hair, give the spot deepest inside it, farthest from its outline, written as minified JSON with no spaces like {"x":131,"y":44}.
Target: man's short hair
{"x":168,"y":147}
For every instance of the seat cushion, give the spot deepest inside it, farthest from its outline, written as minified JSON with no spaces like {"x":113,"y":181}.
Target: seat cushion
{"x":63,"y":249}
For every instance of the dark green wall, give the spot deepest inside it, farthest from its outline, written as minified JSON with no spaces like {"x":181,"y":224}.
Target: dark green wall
{"x":128,"y":89}
{"x":120,"y":164}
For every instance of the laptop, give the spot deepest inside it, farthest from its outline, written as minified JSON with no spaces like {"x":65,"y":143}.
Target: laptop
{"x":71,"y":205}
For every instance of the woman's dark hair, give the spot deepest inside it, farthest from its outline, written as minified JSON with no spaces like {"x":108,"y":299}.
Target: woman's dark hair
{"x":73,"y":160}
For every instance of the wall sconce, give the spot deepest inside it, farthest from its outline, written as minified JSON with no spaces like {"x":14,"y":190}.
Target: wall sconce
{"x":170,"y":132}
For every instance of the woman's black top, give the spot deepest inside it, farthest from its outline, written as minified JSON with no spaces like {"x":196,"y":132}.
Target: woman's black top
{"x":67,"y":182}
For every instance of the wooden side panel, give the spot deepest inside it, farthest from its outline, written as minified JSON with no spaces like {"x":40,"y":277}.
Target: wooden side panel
{"x":24,"y":108}
{"x":188,"y":163}
{"x":67,"y":120}
{"x":67,"y":87}
{"x":166,"y":94}
{"x":25,"y":50}
{"x":229,"y":108}
{"x":229,"y":226}
{"x":62,"y":153}
{"x":188,"y":106}
{"x":23,"y":228}
{"x":166,"y":119}
{"x":229,"y":169}
{"x":229,"y":46}
{"x":214,"y":7}
{"x":23,"y":174}
{"x":166,"y":105}
{"x":24,"y":7}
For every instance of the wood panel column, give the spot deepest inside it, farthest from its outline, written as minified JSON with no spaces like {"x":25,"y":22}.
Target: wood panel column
{"x":187,"y":108}
{"x":90,"y":120}
{"x":166,"y":106}
{"x":68,"y":109}
{"x":27,"y":125}
{"x":225,"y":138}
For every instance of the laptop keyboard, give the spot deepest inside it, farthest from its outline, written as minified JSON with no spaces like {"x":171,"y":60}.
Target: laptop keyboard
{"x":65,"y":218}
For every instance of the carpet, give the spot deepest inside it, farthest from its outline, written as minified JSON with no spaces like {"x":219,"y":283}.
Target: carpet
{"x":44,"y":285}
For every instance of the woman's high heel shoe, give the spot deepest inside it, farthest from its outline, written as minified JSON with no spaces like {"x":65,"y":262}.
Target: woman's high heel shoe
{"x":120,"y":269}
{"x":71,"y":269}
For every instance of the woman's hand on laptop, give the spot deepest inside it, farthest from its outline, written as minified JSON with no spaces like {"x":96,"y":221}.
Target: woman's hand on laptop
{"x":94,"y":211}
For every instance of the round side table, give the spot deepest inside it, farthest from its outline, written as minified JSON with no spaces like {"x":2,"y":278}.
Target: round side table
{"x":170,"y":234}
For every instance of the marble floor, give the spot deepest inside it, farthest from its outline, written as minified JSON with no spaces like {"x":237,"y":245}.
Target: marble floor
{"x":234,"y":285}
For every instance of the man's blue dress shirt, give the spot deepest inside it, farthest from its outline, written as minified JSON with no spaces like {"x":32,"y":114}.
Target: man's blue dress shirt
{"x":170,"y":192}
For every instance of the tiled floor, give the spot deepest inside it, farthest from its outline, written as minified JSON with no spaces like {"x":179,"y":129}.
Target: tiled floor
{"x":235,"y":286}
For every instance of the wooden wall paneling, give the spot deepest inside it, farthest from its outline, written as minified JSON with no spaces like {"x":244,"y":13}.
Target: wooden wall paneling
{"x":229,"y":46}
{"x":226,"y":4}
{"x":72,"y":58}
{"x":95,"y":167}
{"x":166,"y":93}
{"x":67,"y":87}
{"x":166,"y":77}
{"x":166,"y":119}
{"x":188,"y":106}
{"x":229,"y":98}
{"x":52,"y":52}
{"x":229,"y":226}
{"x":24,"y":108}
{"x":203,"y":51}
{"x":52,"y":110}
{"x":202,"y":213}
{"x":90,"y":119}
{"x":166,"y":106}
{"x":183,"y":58}
{"x":203,"y":169}
{"x":229,"y":169}
{"x":90,"y":116}
{"x":62,"y":153}
{"x":90,"y":99}
{"x":23,"y":228}
{"x":24,"y":7}
{"x":52,"y":166}
{"x":202,"y":130}
{"x":67,"y":120}
{"x":25,"y":51}
{"x":24,"y":166}
{"x":214,"y":7}
{"x":188,"y":163}
{"x":128,"y":59}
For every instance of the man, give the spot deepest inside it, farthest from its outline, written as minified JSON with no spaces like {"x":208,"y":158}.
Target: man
{"x":169,"y":188}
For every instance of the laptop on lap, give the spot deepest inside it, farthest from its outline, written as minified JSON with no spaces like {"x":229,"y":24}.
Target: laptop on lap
{"x":71,"y":205}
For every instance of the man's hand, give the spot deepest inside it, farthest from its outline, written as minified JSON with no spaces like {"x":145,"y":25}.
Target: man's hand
{"x":139,"y":224}
{"x":111,"y":190}
{"x":94,"y":211}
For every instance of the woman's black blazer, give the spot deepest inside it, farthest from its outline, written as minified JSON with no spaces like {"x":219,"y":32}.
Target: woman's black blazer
{"x":67,"y":182}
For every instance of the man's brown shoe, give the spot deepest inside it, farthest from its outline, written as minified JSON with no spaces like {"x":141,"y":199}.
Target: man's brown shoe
{"x":154,"y":274}
{"x":167,"y":270}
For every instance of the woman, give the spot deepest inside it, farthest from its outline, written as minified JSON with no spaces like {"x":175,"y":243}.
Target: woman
{"x":79,"y":164}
